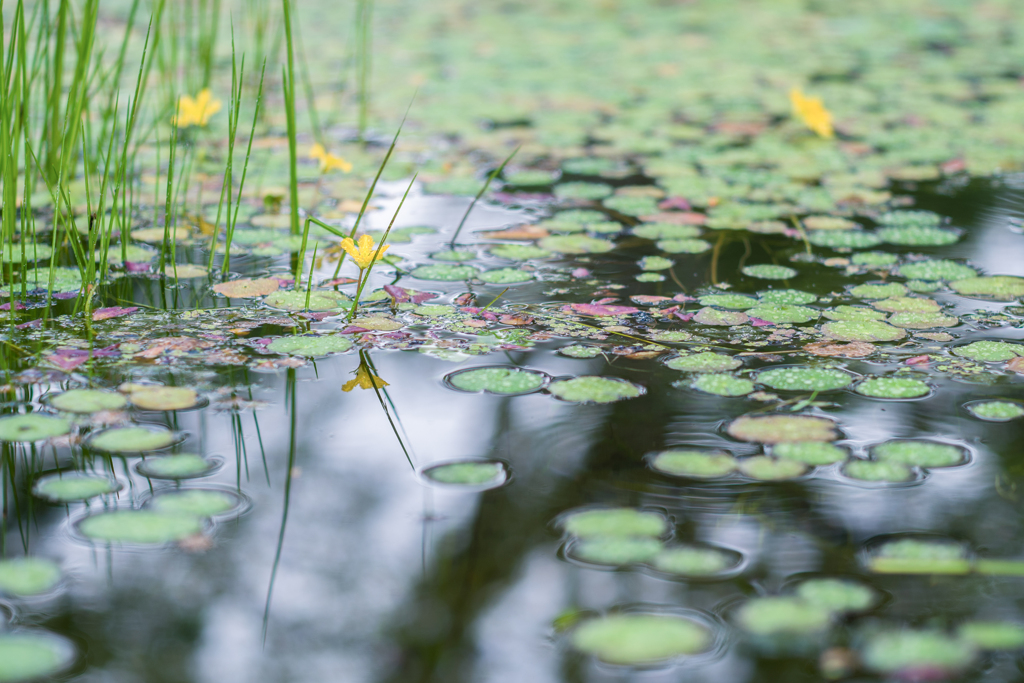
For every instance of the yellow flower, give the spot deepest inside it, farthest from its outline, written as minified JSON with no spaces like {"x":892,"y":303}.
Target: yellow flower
{"x":196,"y":112}
{"x":365,"y":253}
{"x":364,"y":379}
{"x":812,"y":112}
{"x":328,"y":161}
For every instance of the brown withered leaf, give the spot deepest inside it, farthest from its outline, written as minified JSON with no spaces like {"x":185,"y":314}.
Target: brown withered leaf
{"x":850,"y":350}
{"x":525,"y":231}
{"x":516,"y":319}
{"x":156,"y":347}
{"x":1016,"y":365}
{"x":247,"y":287}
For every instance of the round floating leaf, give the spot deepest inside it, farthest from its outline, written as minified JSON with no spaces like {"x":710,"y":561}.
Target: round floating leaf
{"x":634,"y":639}
{"x":185,"y":466}
{"x":30,"y":655}
{"x":580,"y":216}
{"x":862,"y":330}
{"x":197,"y":502}
{"x":614,"y":522}
{"x":143,"y":527}
{"x":918,"y":236}
{"x":767,"y":271}
{"x":650,"y":277}
{"x":615,"y":551}
{"x":434,"y":310}
{"x":839,"y":596}
{"x":995,"y":411}
{"x":878,"y":291}
{"x":920,"y":556}
{"x":783,"y":313}
{"x":908,"y":217}
{"x":907,"y":304}
{"x":704,"y":362}
{"x":805,"y":379}
{"x":922,"y":320}
{"x":871,"y":470}
{"x":713,"y":316}
{"x":518,"y":252}
{"x":993,"y":635}
{"x":695,"y":464}
{"x":576,"y":244}
{"x":594,"y":390}
{"x":844,"y":239}
{"x":997,"y":287}
{"x":530,"y":178}
{"x":655,"y":263}
{"x":854,"y":313}
{"x":763,"y":468}
{"x":923,"y":286}
{"x":319,"y":300}
{"x":580,"y":351}
{"x":184,"y":271}
{"x":378,"y":322}
{"x":811,"y":452}
{"x":774,"y":616}
{"x":787,"y":297}
{"x":937,"y":269}
{"x":874,"y":259}
{"x":477,"y":474}
{"x":912,"y":655}
{"x":990,"y":351}
{"x":156,"y":235}
{"x":165,"y":398}
{"x":69,"y":487}
{"x":687,"y":246}
{"x":32,"y":427}
{"x":457,"y":256}
{"x":497,"y":380}
{"x":27,"y":576}
{"x":589,"y":166}
{"x":309,"y":345}
{"x":773,"y":429}
{"x":505,"y":276}
{"x":131,"y":439}
{"x":632,"y":206}
{"x":86,"y":401}
{"x":582,"y":190}
{"x":919,"y":453}
{"x":722,"y":384}
{"x":740,"y":302}
{"x":893,"y":387}
{"x":665,"y":231}
{"x":445,"y":273}
{"x":33,"y":252}
{"x":698,"y":562}
{"x":247,"y":288}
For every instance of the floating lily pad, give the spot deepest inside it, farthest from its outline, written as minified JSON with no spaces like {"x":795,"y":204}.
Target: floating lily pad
{"x":697,"y":561}
{"x":854,"y":313}
{"x":505,"y":276}
{"x":632,"y":206}
{"x":862,"y":330}
{"x":872,"y":470}
{"x":576,"y":244}
{"x":908,"y":654}
{"x":990,"y":351}
{"x":594,"y":390}
{"x":996,"y":287}
{"x":787,"y":297}
{"x":614,"y":551}
{"x":614,"y":523}
{"x":740,"y":302}
{"x":655,"y":263}
{"x":920,"y":556}
{"x":686,"y":246}
{"x":457,"y":256}
{"x":32,"y":427}
{"x":319,"y":300}
{"x":773,"y":429}
{"x":919,"y":320}
{"x":434,"y":310}
{"x":907,"y":304}
{"x":995,"y":411}
{"x":722,"y":384}
{"x":805,"y":379}
{"x":247,"y":288}
{"x":155,"y":235}
{"x":919,"y":453}
{"x":30,"y":251}
{"x":184,"y":466}
{"x":774,"y":616}
{"x":839,"y":596}
{"x":713,"y":316}
{"x":518,"y":252}
{"x":874,"y":259}
{"x":377,"y":322}
{"x":910,"y":217}
{"x":582,"y":190}
{"x":665,"y":231}
{"x":843,"y":239}
{"x":706,"y":361}
{"x":165,"y":398}
{"x":783,"y":313}
{"x":993,"y":635}
{"x":879,"y":291}
{"x":919,"y":236}
{"x":184,"y":271}
{"x":475,"y":474}
{"x":70,"y":487}
{"x":142,"y":527}
{"x":31,"y":655}
{"x":892,"y":387}
{"x":131,"y":439}
{"x":530,"y":178}
{"x":445,"y":273}
{"x":650,"y":277}
{"x":767,"y":271}
{"x":498,"y":380}
{"x":197,"y":502}
{"x":763,"y":468}
{"x":310,"y":346}
{"x":27,"y":576}
{"x":580,"y":216}
{"x":590,"y":166}
{"x":580,"y":351}
{"x":86,"y":401}
{"x":937,"y":269}
{"x":814,"y":453}
{"x":635,"y":639}
{"x":695,"y":464}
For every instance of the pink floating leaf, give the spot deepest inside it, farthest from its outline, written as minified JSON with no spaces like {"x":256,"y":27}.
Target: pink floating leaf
{"x":685,"y":316}
{"x":757,"y":322}
{"x":580,"y":272}
{"x":113,"y":312}
{"x":918,"y":360}
{"x":597,"y":309}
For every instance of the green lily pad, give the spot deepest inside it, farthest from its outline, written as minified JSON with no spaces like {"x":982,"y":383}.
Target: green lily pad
{"x":665,"y":231}
{"x":937,"y":269}
{"x":695,"y":464}
{"x":814,"y":453}
{"x":86,"y":401}
{"x":141,"y":527}
{"x":615,"y":551}
{"x":589,"y":166}
{"x":70,"y":487}
{"x":767,"y":271}
{"x":774,"y":429}
{"x":862,"y":330}
{"x":31,"y":252}
{"x":763,"y":468}
{"x":497,"y":380}
{"x":739,"y":302}
{"x":843,"y":239}
{"x":805,"y":379}
{"x":530,"y":178}
{"x":580,"y":216}
{"x":918,"y":236}
{"x":196,"y":502}
{"x":64,"y":280}
{"x":907,"y":304}
{"x":923,"y":286}
{"x":892,"y":387}
{"x":995,"y":287}
{"x":582,"y":190}
{"x":706,"y":361}
{"x":32,"y":427}
{"x":910,"y":217}
{"x":614,"y":523}
{"x":445,"y":273}
{"x":452,"y":255}
{"x":632,"y":206}
{"x":576,"y":244}
{"x":854,"y":313}
{"x":783,"y":313}
{"x":908,"y":651}
{"x":434,"y":310}
{"x":184,"y":466}
{"x":594,"y":390}
{"x":685,"y":246}
{"x":476,"y":474}
{"x":28,"y":576}
{"x":505,"y":276}
{"x":518,"y":252}
{"x":131,"y":439}
{"x":636,"y":639}
{"x":874,"y":259}
{"x":872,"y":470}
{"x":31,"y":655}
{"x":995,"y":411}
{"x":919,"y":320}
{"x":580,"y":351}
{"x":993,"y":635}
{"x":990,"y":351}
{"x":650,"y":277}
{"x":775,"y":616}
{"x":786,"y":297}
{"x":839,"y":596}
{"x":310,"y":346}
{"x":713,"y":316}
{"x":162,"y":398}
{"x":722,"y":384}
{"x":697,"y":561}
{"x":919,"y":453}
{"x":655,"y":263}
{"x":319,"y":300}
{"x":879,"y":291}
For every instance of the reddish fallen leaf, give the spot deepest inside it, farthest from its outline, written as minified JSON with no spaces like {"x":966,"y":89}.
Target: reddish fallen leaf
{"x":525,"y":231}
{"x":354,"y":329}
{"x":918,"y":360}
{"x":606,"y":300}
{"x":953,"y":166}
{"x":225,"y":357}
{"x":315,"y":315}
{"x":597,"y":309}
{"x":648,"y":300}
{"x":682,"y":298}
{"x":1016,"y":365}
{"x":677,"y":218}
{"x":580,"y":272}
{"x":17,"y":306}
{"x":476,"y":323}
{"x":248,"y":287}
{"x":674,"y":203}
{"x":517,"y":319}
{"x":850,"y":350}
{"x":464,"y":299}
{"x":685,"y":316}
{"x":156,"y":347}
{"x":329,"y":283}
{"x":757,"y":322}
{"x":113,"y":312}
{"x":138,"y":267}
{"x":34,"y":324}
{"x":279,"y":363}
{"x":66,"y":295}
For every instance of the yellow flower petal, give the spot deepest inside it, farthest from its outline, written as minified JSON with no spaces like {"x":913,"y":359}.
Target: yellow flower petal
{"x":812,"y":112}
{"x":364,"y":379}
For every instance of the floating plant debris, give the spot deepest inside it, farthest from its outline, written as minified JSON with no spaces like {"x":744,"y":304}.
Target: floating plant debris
{"x":184,"y":466}
{"x":28,"y":576}
{"x":594,"y":390}
{"x":498,"y":380}
{"x":475,"y":474}
{"x":614,"y":522}
{"x":69,"y":487}
{"x":773,"y":429}
{"x":131,"y":439}
{"x":919,"y":453}
{"x":32,"y":427}
{"x":86,"y":401}
{"x":141,"y":527}
{"x":31,"y":655}
{"x":634,"y":639}
{"x":695,"y":464}
{"x":995,"y":411}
